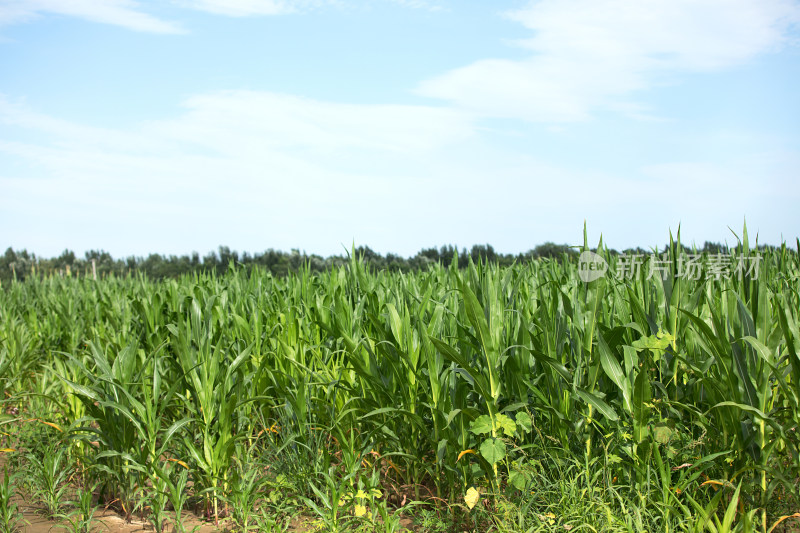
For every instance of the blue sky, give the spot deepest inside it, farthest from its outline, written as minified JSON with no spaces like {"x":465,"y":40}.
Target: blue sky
{"x":178,"y":126}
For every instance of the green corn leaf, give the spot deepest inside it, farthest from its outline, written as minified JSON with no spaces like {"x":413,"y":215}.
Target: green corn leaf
{"x":614,"y":371}
{"x":641,"y":411}
{"x":598,"y":403}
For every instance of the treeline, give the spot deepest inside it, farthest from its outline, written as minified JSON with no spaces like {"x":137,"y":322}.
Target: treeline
{"x":21,"y":264}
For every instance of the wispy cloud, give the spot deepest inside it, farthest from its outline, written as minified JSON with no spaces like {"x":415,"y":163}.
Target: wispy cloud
{"x":252,"y":129}
{"x":419,"y":4}
{"x":228,"y":123}
{"x":244,"y":8}
{"x":592,"y":54}
{"x":125,"y":13}
{"x":130,"y":14}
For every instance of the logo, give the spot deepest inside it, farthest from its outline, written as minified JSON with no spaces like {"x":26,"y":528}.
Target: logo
{"x":591,"y":266}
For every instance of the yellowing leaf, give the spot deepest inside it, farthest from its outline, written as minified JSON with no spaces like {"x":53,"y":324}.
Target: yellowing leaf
{"x":548,"y":518}
{"x":179,"y":462}
{"x":52,"y":425}
{"x":781,"y":519}
{"x":462,"y":454}
{"x":472,"y":497}
{"x":361,"y":510}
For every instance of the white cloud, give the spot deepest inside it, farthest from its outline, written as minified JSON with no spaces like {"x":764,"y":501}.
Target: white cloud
{"x":588,"y":54}
{"x":259,"y":134}
{"x":129,"y":13}
{"x":419,"y":4}
{"x":242,"y":8}
{"x":234,"y":123}
{"x":13,"y":12}
{"x":18,"y":114}
{"x":125,"y":13}
{"x":232,"y":120}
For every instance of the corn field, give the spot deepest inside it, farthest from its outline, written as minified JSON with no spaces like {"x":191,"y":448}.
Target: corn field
{"x":508,"y":399}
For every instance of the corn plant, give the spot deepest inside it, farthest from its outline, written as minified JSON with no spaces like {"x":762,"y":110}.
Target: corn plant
{"x":80,"y":520}
{"x":213,"y":385}
{"x":244,"y":490}
{"x":10,"y":517}
{"x":126,"y":402}
{"x":48,"y":478}
{"x":173,"y":482}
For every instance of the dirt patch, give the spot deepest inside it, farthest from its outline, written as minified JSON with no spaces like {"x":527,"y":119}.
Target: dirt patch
{"x":106,"y":520}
